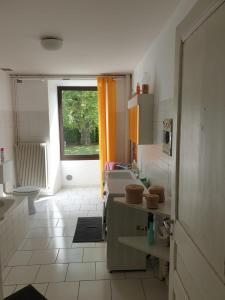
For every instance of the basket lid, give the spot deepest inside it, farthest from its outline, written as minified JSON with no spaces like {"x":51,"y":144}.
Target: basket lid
{"x":136,"y":187}
{"x":156,"y":188}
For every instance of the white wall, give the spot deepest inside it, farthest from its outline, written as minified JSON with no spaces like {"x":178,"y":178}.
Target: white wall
{"x":6,"y":118}
{"x":83,"y":172}
{"x":159,"y":63}
{"x":32,"y":110}
{"x":54,"y":166}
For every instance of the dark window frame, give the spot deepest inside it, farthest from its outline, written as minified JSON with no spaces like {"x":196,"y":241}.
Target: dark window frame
{"x":60,"y":89}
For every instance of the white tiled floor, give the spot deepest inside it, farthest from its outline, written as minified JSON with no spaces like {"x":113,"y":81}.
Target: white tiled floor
{"x":81,"y":271}
{"x":127,"y":289}
{"x":22,"y":275}
{"x":59,"y":269}
{"x":20,"y":258}
{"x":99,"y":290}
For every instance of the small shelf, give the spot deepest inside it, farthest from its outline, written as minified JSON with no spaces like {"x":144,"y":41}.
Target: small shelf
{"x":141,"y":243}
{"x":164,"y":208}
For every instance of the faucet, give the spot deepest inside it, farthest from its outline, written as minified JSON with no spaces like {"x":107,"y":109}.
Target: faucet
{"x":135,"y":169}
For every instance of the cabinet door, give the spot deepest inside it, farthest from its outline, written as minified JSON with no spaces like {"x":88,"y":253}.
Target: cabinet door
{"x":123,"y":221}
{"x":133,"y":131}
{"x":133,"y":124}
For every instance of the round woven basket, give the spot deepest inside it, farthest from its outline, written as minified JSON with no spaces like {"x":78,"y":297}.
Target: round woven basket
{"x":134,"y":193}
{"x":158,"y":190}
{"x":152,"y":201}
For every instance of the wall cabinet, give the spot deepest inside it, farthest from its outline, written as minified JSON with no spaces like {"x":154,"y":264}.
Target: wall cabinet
{"x":140,"y":109}
{"x":141,"y":119}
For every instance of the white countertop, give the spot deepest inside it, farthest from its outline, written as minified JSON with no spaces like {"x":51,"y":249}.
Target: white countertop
{"x":116,"y":186}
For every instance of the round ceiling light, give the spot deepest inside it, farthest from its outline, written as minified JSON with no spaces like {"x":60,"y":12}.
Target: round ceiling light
{"x":51,"y":43}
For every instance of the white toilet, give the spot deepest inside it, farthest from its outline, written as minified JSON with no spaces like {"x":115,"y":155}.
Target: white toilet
{"x":31,"y":192}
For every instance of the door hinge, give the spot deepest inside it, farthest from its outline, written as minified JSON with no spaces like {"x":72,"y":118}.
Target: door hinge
{"x":172,"y":228}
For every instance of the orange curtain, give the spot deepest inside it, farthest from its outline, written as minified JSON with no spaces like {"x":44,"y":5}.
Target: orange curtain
{"x":107,"y":120}
{"x":111,"y":120}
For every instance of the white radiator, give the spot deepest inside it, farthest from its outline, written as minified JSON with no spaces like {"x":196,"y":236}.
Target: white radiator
{"x":31,"y":164}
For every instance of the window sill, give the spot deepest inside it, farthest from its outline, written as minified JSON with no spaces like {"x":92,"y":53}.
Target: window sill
{"x":79,"y":157}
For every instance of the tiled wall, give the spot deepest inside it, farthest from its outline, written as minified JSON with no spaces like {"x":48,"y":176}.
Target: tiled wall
{"x":6,"y":118}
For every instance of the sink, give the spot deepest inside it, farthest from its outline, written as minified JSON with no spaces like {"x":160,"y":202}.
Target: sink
{"x":120,"y":175}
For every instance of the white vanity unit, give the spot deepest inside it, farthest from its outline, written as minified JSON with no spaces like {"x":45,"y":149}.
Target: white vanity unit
{"x":122,"y":221}
{"x":159,"y":249}
{"x":13,"y":225}
{"x":127,"y":245}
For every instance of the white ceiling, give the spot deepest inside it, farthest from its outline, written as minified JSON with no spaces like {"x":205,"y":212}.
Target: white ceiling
{"x":100,"y":36}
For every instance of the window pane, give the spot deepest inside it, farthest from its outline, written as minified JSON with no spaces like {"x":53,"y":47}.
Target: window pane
{"x":80,"y":122}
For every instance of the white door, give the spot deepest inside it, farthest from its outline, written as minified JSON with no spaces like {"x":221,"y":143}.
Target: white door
{"x":198,"y":243}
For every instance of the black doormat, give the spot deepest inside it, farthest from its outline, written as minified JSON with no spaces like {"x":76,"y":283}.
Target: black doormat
{"x":26,"y":293}
{"x":89,"y":229}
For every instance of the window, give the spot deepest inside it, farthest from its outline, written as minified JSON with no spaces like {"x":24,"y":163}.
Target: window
{"x":78,"y":122}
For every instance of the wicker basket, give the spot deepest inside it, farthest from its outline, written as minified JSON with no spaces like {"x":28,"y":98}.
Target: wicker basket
{"x":134,"y":193}
{"x":158,"y":190}
{"x":152,"y":201}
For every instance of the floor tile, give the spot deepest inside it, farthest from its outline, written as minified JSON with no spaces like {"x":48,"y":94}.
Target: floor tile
{"x":88,"y":207}
{"x":100,"y":244}
{"x":155,"y":289}
{"x":62,"y":290}
{"x":42,"y":215}
{"x":44,"y":232}
{"x":56,"y":232}
{"x":70,"y":255}
{"x":94,"y":254}
{"x":51,"y":273}
{"x":22,"y":275}
{"x":71,"y":207}
{"x":127,"y":289}
{"x":20,"y":258}
{"x":35,"y":244}
{"x":60,"y":242}
{"x":43,"y":223}
{"x":5,"y":272}
{"x":83,"y":245}
{"x":96,"y":213}
{"x":56,"y":214}
{"x":103,"y":273}
{"x":8,"y":290}
{"x":69,"y":230}
{"x":81,"y":271}
{"x":41,"y":257}
{"x":40,"y":287}
{"x":95,"y":290}
{"x":67,"y":222}
{"x":139,"y":274}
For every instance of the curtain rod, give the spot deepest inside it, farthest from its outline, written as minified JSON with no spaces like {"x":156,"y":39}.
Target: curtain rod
{"x":65,"y":77}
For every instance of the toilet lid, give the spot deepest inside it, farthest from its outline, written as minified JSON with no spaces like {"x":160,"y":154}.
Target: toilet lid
{"x":27,"y":189}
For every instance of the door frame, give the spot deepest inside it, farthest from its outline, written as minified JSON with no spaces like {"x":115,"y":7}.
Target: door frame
{"x":200,"y":12}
